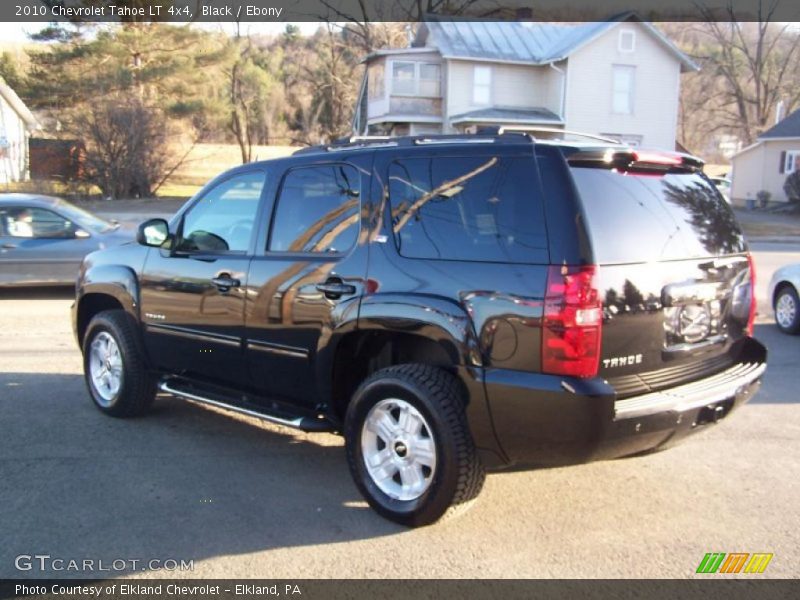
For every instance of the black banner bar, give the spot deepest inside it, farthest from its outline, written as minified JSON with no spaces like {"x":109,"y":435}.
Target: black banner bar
{"x":211,"y":11}
{"x":303,"y":589}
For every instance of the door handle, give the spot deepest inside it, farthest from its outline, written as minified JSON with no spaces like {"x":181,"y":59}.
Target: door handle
{"x":224,"y":282}
{"x":336,"y":288}
{"x":8,"y":246}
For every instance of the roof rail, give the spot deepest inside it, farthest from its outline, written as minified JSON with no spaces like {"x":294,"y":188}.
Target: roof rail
{"x":536,"y":128}
{"x":484,"y":135}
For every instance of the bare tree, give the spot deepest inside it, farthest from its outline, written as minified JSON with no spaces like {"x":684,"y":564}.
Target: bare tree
{"x":757,"y":63}
{"x":128,"y":151}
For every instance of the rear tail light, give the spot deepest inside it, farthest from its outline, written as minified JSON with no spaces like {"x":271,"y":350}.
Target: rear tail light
{"x":572,"y":322}
{"x":752,"y":316}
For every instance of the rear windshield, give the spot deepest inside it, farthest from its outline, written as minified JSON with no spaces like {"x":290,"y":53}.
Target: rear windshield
{"x":649,"y":217}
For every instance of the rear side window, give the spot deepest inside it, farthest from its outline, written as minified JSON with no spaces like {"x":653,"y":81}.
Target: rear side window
{"x":467,"y":208}
{"x":317,"y":210}
{"x":650,"y":217}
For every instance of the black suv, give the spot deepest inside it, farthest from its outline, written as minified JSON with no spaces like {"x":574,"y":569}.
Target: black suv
{"x":447,"y":303}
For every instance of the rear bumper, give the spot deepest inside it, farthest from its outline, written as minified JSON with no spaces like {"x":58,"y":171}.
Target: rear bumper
{"x":546,"y":420}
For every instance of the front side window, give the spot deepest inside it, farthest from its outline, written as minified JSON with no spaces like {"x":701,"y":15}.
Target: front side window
{"x":482,"y":85}
{"x":222,"y":220}
{"x":623,"y":89}
{"x":467,"y":208}
{"x":36,"y":223}
{"x":317,"y":210}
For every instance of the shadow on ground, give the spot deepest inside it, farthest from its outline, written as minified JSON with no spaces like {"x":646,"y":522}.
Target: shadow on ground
{"x":64,"y":292}
{"x":184,"y":482}
{"x":782,"y":353}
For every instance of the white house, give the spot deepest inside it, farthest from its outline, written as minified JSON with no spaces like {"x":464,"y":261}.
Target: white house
{"x":766,"y":164}
{"x":617,"y":78}
{"x":16,"y":125}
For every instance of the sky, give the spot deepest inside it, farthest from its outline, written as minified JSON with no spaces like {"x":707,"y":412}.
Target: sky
{"x":17,"y":32}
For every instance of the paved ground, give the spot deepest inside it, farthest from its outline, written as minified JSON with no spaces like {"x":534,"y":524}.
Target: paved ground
{"x":245,"y":499}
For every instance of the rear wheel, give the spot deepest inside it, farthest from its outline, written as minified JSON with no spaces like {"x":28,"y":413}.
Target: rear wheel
{"x":114,"y":366}
{"x":408,"y":445}
{"x":787,"y":310}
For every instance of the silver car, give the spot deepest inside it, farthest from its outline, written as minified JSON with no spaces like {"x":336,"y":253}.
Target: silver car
{"x":44,"y":239}
{"x":783,"y":293}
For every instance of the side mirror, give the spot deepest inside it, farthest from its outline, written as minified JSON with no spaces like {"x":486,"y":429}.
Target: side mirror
{"x":81,"y":234}
{"x":153,"y":233}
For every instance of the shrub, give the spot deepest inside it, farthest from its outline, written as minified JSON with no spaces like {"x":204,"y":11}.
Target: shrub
{"x":127,"y":147}
{"x":763,"y":198}
{"x":792,"y":187}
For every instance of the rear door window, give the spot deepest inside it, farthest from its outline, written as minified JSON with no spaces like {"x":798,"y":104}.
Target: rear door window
{"x":483,"y":208}
{"x":317,"y":210}
{"x":636,"y":217}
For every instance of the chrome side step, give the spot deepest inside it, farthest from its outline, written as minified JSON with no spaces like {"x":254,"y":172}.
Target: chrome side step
{"x":302,"y":423}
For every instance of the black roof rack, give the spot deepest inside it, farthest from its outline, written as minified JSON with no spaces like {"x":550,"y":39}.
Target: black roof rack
{"x":484,"y":135}
{"x":357,"y":142}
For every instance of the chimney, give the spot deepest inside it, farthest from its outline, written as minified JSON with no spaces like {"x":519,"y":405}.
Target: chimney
{"x":779,"y":112}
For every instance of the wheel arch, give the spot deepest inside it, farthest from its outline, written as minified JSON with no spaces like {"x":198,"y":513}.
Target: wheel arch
{"x":393,"y":329}
{"x":105,"y":287}
{"x":779,"y":287}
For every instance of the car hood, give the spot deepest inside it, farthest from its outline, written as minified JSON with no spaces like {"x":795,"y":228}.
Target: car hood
{"x":122,"y":235}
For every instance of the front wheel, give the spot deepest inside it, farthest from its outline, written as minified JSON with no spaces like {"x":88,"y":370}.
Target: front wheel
{"x":114,"y":366}
{"x":408,"y":445}
{"x":787,"y":310}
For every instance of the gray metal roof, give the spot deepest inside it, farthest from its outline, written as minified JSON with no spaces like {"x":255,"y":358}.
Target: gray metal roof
{"x":507,"y":115}
{"x":514,"y":41}
{"x":789,"y":127}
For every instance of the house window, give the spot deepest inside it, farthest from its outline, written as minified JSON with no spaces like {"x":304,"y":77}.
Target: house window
{"x":429,"y":80}
{"x":623,"y":89}
{"x":791,"y":162}
{"x":416,"y":79}
{"x":482,"y":85}
{"x":626,"y":41}
{"x":375,"y":82}
{"x":404,"y":78}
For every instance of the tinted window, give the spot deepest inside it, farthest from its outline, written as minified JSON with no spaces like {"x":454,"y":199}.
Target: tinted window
{"x":467,"y":208}
{"x":317,"y":211}
{"x":35,"y":223}
{"x":222,"y":220}
{"x":638,"y":218}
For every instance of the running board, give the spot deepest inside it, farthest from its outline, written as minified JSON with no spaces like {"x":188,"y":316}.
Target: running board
{"x":303,"y":423}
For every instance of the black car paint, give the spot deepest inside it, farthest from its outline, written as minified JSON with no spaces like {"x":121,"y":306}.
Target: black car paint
{"x":491,"y":335}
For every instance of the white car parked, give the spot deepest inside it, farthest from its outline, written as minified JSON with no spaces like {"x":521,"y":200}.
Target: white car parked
{"x":783,"y":291}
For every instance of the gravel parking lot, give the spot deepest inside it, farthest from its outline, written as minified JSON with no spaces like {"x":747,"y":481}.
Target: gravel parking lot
{"x":242,"y":498}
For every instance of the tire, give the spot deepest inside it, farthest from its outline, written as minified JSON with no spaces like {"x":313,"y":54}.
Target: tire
{"x":787,"y":310}
{"x":397,"y":417}
{"x":112,"y":353}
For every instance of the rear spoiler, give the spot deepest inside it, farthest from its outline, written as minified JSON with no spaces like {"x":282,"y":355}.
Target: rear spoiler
{"x":628,"y":159}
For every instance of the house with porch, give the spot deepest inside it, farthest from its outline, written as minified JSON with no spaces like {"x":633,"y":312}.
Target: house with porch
{"x":618,"y":78}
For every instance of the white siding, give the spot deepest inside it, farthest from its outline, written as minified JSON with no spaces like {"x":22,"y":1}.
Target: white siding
{"x":655,"y":98}
{"x":14,"y":159}
{"x":513,"y":86}
{"x":759,"y":169}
